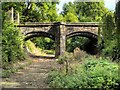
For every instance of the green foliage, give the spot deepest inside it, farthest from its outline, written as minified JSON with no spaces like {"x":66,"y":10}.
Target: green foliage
{"x":44,"y":43}
{"x":92,"y":73}
{"x":40,"y":12}
{"x":90,"y":11}
{"x":110,"y":34}
{"x":74,"y":42}
{"x":7,"y":73}
{"x":70,"y":17}
{"x":6,"y":7}
{"x":68,"y":7}
{"x":61,"y":18}
{"x":69,"y":13}
{"x":12,"y":44}
{"x":31,"y":48}
{"x":110,"y":49}
{"x":32,"y":11}
{"x":18,"y":6}
{"x":108,"y":28}
{"x":102,"y":73}
{"x":84,"y":11}
{"x":117,"y":18}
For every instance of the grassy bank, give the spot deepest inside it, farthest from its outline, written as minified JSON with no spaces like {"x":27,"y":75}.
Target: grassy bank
{"x":38,"y":51}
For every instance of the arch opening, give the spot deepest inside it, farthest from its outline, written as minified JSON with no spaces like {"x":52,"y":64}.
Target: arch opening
{"x":40,"y":44}
{"x":86,"y":41}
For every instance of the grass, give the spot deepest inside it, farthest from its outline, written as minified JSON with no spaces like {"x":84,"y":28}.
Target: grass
{"x":38,"y":51}
{"x":14,"y":67}
{"x":50,"y":52}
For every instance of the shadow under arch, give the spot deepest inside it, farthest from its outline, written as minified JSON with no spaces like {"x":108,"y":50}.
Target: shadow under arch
{"x":31,"y":35}
{"x":92,"y":46}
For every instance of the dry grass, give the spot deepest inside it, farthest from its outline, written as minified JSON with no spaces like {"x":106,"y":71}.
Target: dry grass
{"x":79,"y":54}
{"x":33,"y":49}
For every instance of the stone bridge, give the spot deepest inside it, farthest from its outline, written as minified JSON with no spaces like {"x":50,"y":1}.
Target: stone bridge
{"x":59,"y":32}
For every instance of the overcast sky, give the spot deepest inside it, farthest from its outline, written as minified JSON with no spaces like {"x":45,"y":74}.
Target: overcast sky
{"x":110,"y":4}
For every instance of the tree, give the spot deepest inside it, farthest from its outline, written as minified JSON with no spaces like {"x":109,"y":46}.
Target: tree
{"x":90,"y":11}
{"x":61,"y":18}
{"x":32,"y":11}
{"x":70,"y":17}
{"x":40,"y":12}
{"x":117,"y":14}
{"x":108,"y":26}
{"x":111,"y":33}
{"x":68,"y":7}
{"x":6,"y":6}
{"x":69,"y":12}
{"x":117,"y":19}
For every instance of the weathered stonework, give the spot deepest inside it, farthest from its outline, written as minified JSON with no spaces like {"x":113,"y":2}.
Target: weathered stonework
{"x":60,"y":31}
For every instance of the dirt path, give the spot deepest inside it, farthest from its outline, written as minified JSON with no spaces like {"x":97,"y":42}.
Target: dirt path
{"x":34,"y":75}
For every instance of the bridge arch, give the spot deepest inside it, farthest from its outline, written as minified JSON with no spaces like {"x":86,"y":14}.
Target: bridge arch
{"x":38,"y":34}
{"x":33,"y":34}
{"x":92,"y":46}
{"x":83,"y":34}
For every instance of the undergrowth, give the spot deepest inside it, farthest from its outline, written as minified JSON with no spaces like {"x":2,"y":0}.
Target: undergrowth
{"x":91,"y":72}
{"x":12,"y":44}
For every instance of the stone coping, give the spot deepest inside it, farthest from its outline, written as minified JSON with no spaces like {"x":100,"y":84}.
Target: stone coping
{"x":36,"y":24}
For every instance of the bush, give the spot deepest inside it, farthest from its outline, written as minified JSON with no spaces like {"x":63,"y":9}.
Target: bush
{"x":12,"y":44}
{"x":92,"y":73}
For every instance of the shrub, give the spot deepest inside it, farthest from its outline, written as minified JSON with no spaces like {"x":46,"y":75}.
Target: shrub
{"x":12,"y":44}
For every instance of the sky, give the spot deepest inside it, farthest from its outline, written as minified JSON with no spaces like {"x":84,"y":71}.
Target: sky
{"x":110,"y":4}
